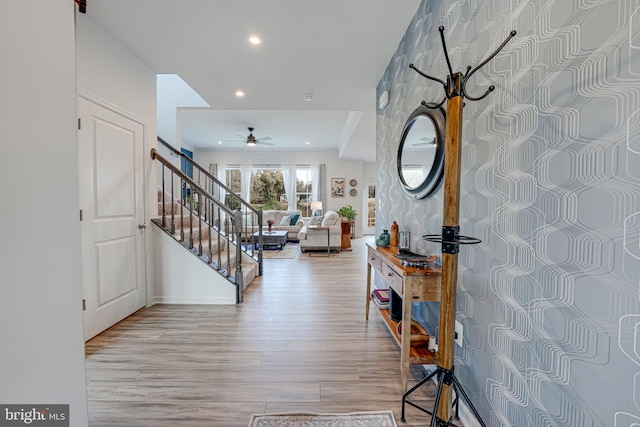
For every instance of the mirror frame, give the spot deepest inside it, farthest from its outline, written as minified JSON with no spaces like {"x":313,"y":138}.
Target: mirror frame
{"x":431,"y":181}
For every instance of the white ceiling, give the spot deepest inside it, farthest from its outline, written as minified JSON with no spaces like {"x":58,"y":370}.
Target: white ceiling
{"x":336,"y":50}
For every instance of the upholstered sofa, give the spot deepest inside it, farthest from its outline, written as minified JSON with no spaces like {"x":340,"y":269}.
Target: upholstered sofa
{"x":278,"y":224}
{"x":282,"y":221}
{"x":314,"y":239}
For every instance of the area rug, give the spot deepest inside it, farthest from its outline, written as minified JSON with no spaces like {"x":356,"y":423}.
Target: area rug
{"x":289,"y":251}
{"x":354,"y":419}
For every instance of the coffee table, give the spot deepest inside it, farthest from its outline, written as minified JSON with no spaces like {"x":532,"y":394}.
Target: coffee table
{"x":274,"y":238}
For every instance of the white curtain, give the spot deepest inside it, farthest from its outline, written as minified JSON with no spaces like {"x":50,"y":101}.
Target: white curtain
{"x":290,"y":185}
{"x":315,"y":180}
{"x":318,"y":192}
{"x":218,"y":170}
{"x":246,"y":182}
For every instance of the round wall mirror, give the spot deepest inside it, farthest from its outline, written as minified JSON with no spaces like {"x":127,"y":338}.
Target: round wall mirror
{"x":421,"y":152}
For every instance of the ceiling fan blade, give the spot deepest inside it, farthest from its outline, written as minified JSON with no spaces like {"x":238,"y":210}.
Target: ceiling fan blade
{"x":264,"y":138}
{"x":234,"y":140}
{"x":269,"y":144}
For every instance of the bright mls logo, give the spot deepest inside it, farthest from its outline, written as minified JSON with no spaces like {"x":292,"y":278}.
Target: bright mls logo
{"x":35,"y":415}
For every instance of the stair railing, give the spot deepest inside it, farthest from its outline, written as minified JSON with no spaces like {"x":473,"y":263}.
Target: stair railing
{"x":202,"y":206}
{"x":251,"y":217}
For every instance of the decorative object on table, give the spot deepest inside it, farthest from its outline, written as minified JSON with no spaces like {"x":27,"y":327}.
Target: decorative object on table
{"x":384,"y":239}
{"x":393,"y":241}
{"x":419,"y":336}
{"x":374,"y":419}
{"x":347,"y":212}
{"x":404,"y":242}
{"x":410,"y":259}
{"x":316,"y":208}
{"x":353,"y":183}
{"x":270,"y":223}
{"x":353,"y":192}
{"x":337,"y":187}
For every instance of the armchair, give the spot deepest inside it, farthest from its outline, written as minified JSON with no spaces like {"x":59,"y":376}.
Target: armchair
{"x":313,"y":239}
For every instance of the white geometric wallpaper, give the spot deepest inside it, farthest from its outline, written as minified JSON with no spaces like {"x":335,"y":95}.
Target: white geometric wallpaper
{"x":550,"y":300}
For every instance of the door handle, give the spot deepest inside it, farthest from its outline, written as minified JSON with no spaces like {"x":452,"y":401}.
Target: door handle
{"x":142,"y":226}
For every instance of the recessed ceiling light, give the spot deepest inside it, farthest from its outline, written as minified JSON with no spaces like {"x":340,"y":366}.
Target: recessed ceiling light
{"x":307,"y":143}
{"x":240,"y":93}
{"x":219,"y":142}
{"x":308,"y":97}
{"x":253,"y":39}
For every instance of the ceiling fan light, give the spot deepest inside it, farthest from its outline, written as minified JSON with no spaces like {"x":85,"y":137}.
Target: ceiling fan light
{"x":251,"y":143}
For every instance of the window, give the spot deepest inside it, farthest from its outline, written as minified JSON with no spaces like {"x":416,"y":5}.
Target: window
{"x":304,"y":182}
{"x":267,"y":189}
{"x":233,"y":180}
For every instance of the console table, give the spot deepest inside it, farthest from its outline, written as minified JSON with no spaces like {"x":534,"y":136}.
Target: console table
{"x":413,"y":285}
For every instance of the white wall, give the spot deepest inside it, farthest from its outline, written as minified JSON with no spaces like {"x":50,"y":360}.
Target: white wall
{"x":369,"y":171}
{"x":111,"y":75}
{"x":336,"y":168}
{"x":42,"y":348}
{"x":183,"y":278}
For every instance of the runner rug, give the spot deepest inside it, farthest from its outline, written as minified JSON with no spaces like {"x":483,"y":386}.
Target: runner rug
{"x":354,"y":419}
{"x":289,"y":251}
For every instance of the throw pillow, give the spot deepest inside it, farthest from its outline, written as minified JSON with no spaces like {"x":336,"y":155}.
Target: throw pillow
{"x":285,"y":220}
{"x":316,"y":220}
{"x":330,"y":220}
{"x":294,"y":219}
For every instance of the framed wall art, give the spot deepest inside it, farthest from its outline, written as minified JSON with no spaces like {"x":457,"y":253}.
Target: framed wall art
{"x":337,"y":187}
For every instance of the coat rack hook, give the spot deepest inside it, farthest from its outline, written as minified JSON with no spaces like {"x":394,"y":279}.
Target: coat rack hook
{"x":426,"y":75}
{"x":452,"y":89}
{"x":433,"y":106}
{"x":444,"y":47}
{"x":482,"y":64}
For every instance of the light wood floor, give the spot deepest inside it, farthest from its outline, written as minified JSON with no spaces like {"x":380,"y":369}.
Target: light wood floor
{"x":298,"y":342}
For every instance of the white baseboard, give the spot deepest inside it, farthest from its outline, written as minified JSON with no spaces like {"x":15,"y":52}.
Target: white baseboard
{"x":194,"y":300}
{"x":466,"y":416}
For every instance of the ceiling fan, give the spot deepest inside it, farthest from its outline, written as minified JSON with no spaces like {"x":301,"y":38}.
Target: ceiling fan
{"x":251,"y":140}
{"x":428,"y":141}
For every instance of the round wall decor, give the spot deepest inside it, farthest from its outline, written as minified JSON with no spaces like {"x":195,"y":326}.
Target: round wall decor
{"x":353,"y":192}
{"x":353,"y":183}
{"x":421,"y":152}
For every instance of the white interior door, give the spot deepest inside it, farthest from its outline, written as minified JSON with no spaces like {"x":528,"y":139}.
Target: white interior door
{"x":111,"y":193}
{"x":369,"y":207}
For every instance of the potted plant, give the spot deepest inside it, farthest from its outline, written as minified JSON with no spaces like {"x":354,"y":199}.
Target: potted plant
{"x":347,"y":212}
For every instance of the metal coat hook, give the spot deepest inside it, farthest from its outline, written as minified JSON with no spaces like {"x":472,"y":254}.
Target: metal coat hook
{"x":456,"y":83}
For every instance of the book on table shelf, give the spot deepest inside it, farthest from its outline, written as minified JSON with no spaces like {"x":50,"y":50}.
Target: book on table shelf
{"x":381,"y":298}
{"x":382,"y":294}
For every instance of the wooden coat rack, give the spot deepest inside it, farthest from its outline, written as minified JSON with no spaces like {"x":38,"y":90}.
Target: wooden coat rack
{"x":455,"y":93}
